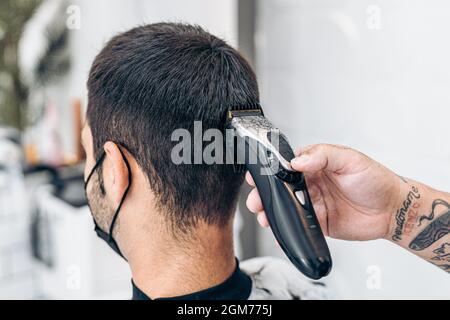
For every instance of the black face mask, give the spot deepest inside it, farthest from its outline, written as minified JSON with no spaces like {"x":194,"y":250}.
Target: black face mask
{"x":100,"y":233}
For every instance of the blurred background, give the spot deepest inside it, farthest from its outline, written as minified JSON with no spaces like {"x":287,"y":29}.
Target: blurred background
{"x":374,"y":75}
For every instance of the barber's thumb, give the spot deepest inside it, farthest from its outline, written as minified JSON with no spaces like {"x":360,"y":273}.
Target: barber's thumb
{"x":312,"y":160}
{"x":301,"y":162}
{"x":324,"y":157}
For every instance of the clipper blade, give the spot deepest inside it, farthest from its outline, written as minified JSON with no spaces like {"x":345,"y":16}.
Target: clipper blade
{"x":240,"y":111}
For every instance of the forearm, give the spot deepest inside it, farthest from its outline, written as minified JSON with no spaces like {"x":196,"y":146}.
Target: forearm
{"x":421,"y":223}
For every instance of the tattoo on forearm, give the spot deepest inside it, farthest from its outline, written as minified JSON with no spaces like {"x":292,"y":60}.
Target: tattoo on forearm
{"x":409,"y":207}
{"x":435,"y":230}
{"x":442,"y":257}
{"x":431,"y":215}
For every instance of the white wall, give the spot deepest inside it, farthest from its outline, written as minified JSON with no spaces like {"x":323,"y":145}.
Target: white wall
{"x":328,"y":74}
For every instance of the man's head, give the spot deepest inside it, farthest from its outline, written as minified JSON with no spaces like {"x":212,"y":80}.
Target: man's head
{"x":143,"y":85}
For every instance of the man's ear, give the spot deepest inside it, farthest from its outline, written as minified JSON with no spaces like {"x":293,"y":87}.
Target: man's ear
{"x":115,"y":173}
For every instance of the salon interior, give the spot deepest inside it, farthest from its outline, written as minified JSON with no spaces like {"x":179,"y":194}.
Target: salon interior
{"x":362,"y":73}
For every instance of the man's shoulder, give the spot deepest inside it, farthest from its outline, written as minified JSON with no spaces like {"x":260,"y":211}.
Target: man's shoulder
{"x":277,"y":279}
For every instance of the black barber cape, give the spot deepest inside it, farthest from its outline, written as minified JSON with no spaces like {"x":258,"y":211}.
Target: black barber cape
{"x":257,"y":279}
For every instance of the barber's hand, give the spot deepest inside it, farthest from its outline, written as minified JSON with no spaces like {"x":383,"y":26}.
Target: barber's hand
{"x":354,"y":196}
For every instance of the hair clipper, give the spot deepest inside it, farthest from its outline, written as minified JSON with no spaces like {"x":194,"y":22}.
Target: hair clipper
{"x":283,"y":191}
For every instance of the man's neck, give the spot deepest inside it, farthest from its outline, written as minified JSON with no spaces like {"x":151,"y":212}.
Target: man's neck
{"x":182,"y":267}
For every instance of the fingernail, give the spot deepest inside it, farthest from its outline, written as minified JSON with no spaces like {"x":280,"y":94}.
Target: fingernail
{"x":261,"y":220}
{"x":300,"y":160}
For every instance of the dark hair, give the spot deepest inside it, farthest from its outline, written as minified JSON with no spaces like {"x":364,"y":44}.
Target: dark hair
{"x":154,"y":79}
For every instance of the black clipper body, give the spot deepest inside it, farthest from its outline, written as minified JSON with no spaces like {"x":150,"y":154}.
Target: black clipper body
{"x":283,"y":192}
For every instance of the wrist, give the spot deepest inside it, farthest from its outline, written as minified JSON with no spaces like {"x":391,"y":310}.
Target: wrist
{"x":410,"y":202}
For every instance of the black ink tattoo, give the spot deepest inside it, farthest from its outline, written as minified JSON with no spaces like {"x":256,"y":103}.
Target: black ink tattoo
{"x":435,"y":230}
{"x":400,"y":216}
{"x":442,"y":256}
{"x":442,"y":253}
{"x":445,"y":267}
{"x":431,"y":215}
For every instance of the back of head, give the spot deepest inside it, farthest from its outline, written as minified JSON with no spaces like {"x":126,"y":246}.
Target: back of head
{"x":157,"y":78}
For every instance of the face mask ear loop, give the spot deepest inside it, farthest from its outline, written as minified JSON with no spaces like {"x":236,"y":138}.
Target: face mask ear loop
{"x":99,"y":161}
{"x":123,"y":197}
